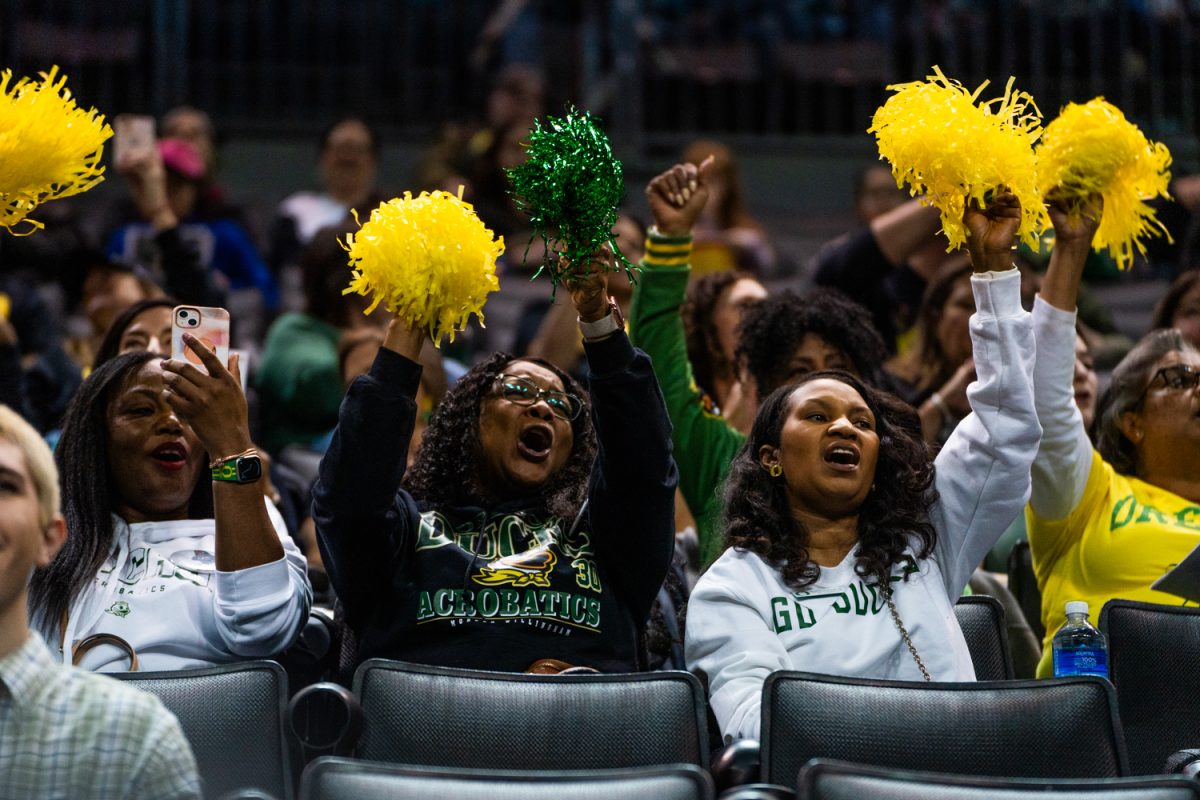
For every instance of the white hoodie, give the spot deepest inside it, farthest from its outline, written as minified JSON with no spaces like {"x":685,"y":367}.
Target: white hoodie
{"x":744,"y":623}
{"x":178,"y":619}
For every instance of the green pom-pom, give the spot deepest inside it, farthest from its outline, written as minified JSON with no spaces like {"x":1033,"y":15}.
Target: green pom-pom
{"x":570,"y":187}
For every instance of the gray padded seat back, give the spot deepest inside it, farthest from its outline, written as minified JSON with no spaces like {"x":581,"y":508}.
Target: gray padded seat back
{"x":1154,"y":661}
{"x":837,"y":780}
{"x":438,"y":716}
{"x":348,"y":779}
{"x":1022,"y":582}
{"x":232,"y":716}
{"x":1058,"y":728}
{"x":985,"y":628}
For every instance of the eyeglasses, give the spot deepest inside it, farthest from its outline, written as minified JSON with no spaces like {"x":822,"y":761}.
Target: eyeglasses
{"x":525,"y":392}
{"x":1178,"y":377}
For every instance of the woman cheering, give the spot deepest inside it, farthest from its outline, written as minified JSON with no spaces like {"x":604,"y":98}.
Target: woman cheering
{"x":534,"y":526}
{"x":850,"y":545}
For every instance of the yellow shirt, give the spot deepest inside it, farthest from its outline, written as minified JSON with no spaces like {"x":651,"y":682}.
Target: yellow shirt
{"x":1122,"y":536}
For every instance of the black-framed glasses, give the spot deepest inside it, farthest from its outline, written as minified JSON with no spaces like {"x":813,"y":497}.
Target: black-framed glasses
{"x":1177,"y":377}
{"x":525,"y":392}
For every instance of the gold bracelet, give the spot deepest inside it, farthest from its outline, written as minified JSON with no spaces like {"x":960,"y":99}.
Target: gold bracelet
{"x":253,"y":451}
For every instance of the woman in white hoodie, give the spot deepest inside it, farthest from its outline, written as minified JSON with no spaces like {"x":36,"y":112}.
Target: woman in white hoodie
{"x":157,"y":466}
{"x":850,"y":544}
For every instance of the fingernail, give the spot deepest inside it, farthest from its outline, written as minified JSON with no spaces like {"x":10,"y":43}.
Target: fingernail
{"x":687,"y":194}
{"x":692,"y":184}
{"x":187,"y":337}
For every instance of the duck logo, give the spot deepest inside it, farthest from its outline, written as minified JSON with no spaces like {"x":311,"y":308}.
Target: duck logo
{"x":531,"y":568}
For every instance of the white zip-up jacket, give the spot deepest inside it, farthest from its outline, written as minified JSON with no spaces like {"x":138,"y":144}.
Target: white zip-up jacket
{"x":175,"y":618}
{"x":744,"y":623}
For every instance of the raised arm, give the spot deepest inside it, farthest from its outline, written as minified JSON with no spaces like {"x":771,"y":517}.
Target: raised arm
{"x":185,"y":275}
{"x":632,"y":494}
{"x":363,"y":518}
{"x":704,"y":443}
{"x":982,"y":474}
{"x":262,"y":592}
{"x":1064,"y":458}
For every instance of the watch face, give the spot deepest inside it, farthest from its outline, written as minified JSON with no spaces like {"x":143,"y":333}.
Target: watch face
{"x":249,"y":469}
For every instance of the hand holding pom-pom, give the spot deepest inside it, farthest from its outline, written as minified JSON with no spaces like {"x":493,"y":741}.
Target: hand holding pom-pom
{"x":992,"y":231}
{"x":570,"y":186}
{"x":429,"y":260}
{"x":956,"y":150}
{"x":587,"y":282}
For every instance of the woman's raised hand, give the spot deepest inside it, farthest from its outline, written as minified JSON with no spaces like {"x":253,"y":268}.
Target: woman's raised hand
{"x":210,"y":402}
{"x":588,"y":285}
{"x":677,"y":197}
{"x":1075,"y":226}
{"x":992,"y":231}
{"x":148,"y":183}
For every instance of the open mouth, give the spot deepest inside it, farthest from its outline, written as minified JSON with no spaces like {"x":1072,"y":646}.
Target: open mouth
{"x":534,"y":442}
{"x":842,"y":457}
{"x":171,"y":456}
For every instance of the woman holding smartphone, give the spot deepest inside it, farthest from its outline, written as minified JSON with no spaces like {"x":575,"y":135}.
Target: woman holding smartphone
{"x":174,"y":559}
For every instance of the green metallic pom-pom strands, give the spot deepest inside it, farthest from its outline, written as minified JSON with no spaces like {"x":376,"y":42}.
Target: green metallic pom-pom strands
{"x":570,"y":187}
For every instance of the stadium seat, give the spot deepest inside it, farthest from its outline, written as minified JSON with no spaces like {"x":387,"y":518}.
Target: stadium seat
{"x":1022,"y":582}
{"x":1154,"y":661}
{"x":438,"y":716}
{"x":1058,"y":728}
{"x":986,"y":630}
{"x":347,"y":779}
{"x":822,"y":779}
{"x":233,"y":717}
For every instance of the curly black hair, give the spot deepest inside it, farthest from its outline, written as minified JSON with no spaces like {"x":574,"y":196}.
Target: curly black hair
{"x":700,"y":332}
{"x":771,"y":331}
{"x":446,"y":471}
{"x":892,"y":520}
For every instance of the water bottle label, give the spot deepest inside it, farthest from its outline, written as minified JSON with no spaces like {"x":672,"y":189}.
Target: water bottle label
{"x":1080,"y":661}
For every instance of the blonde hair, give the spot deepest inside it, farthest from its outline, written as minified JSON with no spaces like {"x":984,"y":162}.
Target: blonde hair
{"x":38,"y":460}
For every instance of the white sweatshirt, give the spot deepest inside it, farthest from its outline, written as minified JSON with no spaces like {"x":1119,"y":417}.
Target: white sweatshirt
{"x":744,"y":623}
{"x":178,"y":619}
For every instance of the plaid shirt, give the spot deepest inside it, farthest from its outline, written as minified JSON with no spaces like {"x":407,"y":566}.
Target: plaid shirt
{"x":65,"y":733}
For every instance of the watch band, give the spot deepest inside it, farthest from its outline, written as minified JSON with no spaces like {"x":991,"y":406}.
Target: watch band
{"x":241,"y":468}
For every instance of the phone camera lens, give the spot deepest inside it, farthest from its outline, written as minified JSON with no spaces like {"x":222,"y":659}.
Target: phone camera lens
{"x":193,"y":322}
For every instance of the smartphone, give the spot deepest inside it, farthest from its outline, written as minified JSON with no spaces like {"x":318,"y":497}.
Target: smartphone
{"x":134,"y":137}
{"x":209,"y":325}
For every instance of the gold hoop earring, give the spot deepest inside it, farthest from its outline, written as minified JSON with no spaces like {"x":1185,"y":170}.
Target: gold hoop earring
{"x":776,"y":470}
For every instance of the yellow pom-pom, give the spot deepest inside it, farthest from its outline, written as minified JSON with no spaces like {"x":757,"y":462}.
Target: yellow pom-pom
{"x":49,"y":147}
{"x":1092,"y":148}
{"x":946,"y":144}
{"x":429,"y":259}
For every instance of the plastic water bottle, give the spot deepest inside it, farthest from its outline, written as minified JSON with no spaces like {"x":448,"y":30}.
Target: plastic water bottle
{"x":1079,"y":649}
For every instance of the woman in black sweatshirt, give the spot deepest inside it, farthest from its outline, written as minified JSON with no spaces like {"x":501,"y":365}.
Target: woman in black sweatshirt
{"x":533,"y":524}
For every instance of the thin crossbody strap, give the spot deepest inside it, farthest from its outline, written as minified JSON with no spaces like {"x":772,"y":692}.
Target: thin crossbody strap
{"x":912,"y":648}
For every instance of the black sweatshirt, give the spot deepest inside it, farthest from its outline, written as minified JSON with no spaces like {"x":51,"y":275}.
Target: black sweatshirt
{"x":421,"y":584}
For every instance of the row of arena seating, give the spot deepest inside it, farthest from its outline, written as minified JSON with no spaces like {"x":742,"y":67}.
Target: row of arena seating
{"x":470,"y":726}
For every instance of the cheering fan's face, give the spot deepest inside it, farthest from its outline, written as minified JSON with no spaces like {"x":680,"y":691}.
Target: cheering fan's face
{"x":828,"y":449}
{"x":525,"y":437}
{"x":154,"y":458}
